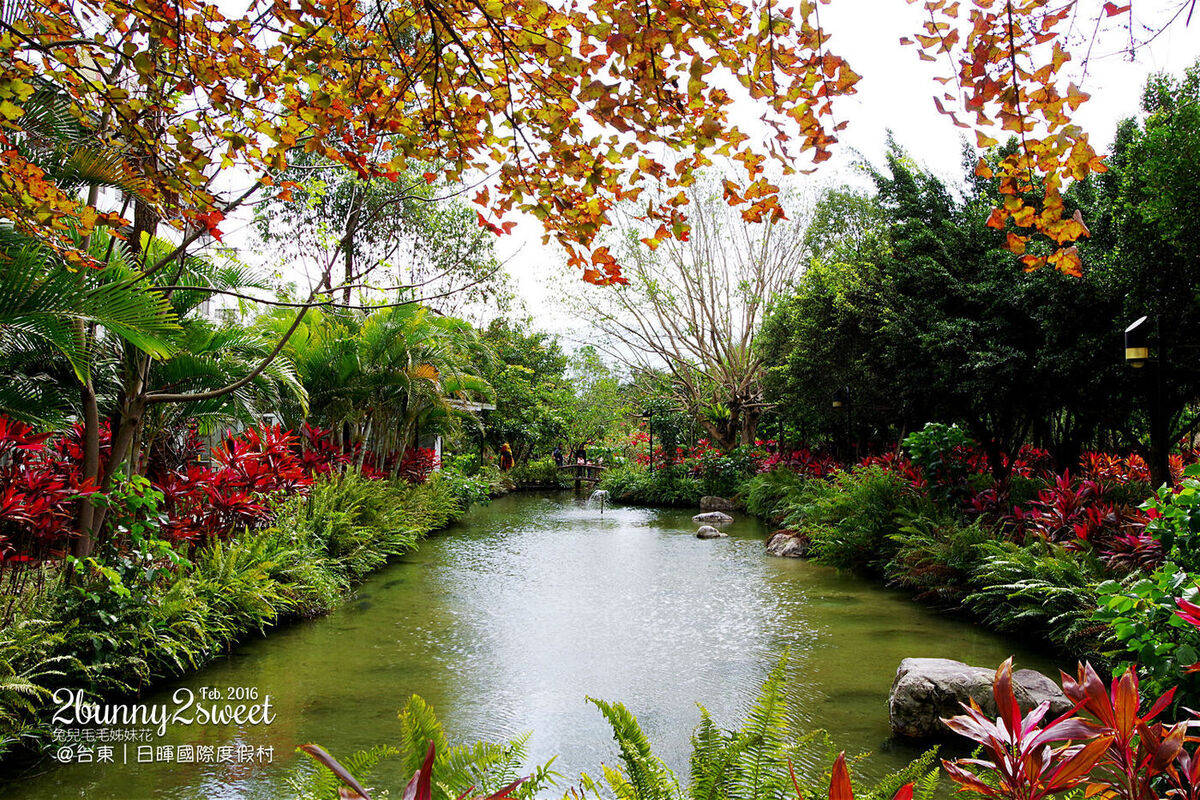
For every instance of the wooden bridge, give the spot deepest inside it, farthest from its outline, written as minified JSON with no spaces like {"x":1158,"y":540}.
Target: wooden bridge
{"x":583,"y":473}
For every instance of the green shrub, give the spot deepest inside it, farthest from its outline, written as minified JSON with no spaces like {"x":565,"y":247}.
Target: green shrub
{"x":668,"y":486}
{"x":767,"y":494}
{"x":1145,"y":630}
{"x":542,"y":472}
{"x":721,"y":474}
{"x":1022,"y":491}
{"x":850,"y":520}
{"x":936,"y":554}
{"x":1038,"y":587}
{"x":935,"y":449}
{"x":1176,"y":522}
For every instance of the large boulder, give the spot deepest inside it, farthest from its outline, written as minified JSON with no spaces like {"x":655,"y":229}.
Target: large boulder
{"x":713,"y":503}
{"x":927,"y":689}
{"x":787,"y":544}
{"x":709,"y":532}
{"x":712,"y":518}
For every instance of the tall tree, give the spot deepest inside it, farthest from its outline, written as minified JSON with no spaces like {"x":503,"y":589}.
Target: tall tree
{"x":694,"y":308}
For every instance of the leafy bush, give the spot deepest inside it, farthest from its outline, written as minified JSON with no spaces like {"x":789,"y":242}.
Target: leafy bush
{"x":542,"y":472}
{"x":1147,"y":631}
{"x":722,"y":473}
{"x":669,"y":486}
{"x":767,"y":493}
{"x":1175,"y":520}
{"x":936,"y":554}
{"x":937,"y":450}
{"x":1039,"y":587}
{"x":357,"y":522}
{"x":851,"y":519}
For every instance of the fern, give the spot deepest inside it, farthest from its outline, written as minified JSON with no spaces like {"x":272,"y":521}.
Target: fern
{"x":646,"y":777}
{"x":310,"y":783}
{"x":923,"y":773}
{"x":761,"y":748}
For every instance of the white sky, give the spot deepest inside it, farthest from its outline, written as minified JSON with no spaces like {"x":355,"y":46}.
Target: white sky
{"x":895,"y":93}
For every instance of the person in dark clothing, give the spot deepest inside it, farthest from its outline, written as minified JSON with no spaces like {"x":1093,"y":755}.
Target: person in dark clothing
{"x":559,"y":458}
{"x":580,"y":454}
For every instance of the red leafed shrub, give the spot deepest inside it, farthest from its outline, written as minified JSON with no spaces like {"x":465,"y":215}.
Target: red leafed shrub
{"x":802,"y":461}
{"x":1106,"y":744}
{"x":1111,"y":468}
{"x":1032,"y":462}
{"x":38,"y":495}
{"x":250,"y":474}
{"x":318,"y":454}
{"x":897,"y":464}
{"x":418,"y":464}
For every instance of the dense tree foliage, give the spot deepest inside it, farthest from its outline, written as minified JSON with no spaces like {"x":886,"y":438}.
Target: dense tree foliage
{"x":932,"y":324}
{"x":533,"y":398}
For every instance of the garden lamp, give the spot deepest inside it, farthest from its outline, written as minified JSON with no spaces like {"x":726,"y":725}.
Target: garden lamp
{"x":1137,"y":343}
{"x":841,"y":398}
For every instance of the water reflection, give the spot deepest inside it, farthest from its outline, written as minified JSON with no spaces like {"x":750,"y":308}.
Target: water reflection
{"x":508,"y":622}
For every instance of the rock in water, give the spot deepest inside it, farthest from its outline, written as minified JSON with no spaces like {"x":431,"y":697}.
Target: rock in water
{"x":927,"y":689}
{"x":713,"y":503}
{"x":713,"y":518}
{"x":709,"y":532}
{"x":787,"y":544}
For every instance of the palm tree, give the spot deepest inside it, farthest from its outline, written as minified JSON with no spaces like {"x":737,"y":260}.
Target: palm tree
{"x":384,"y":378}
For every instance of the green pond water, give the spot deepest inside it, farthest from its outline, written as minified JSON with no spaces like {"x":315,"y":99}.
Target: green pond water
{"x":508,"y":621}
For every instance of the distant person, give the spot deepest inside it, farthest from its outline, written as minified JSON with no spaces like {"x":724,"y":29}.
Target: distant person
{"x":580,"y":454}
{"x":506,"y":457}
{"x":559,"y":458}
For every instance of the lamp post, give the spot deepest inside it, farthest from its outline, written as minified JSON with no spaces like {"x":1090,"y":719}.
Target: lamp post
{"x":1137,"y":356}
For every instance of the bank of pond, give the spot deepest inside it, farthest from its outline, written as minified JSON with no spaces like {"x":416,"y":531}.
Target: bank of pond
{"x":509,"y":620}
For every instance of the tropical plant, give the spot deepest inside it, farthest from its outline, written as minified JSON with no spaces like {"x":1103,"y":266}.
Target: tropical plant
{"x":1140,"y":614}
{"x":1027,"y":759}
{"x":752,"y":762}
{"x":440,"y":771}
{"x":1039,"y":587}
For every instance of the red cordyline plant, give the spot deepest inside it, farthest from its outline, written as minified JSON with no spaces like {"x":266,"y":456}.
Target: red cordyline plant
{"x":1029,"y":761}
{"x":1119,"y":753}
{"x":1139,"y":749}
{"x":839,"y":783}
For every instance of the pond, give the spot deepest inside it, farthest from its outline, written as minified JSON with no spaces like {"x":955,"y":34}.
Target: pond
{"x":507,"y":622}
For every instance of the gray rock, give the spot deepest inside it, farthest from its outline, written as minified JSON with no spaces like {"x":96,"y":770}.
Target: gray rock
{"x":928,"y":689}
{"x":787,"y":545}
{"x":712,"y":518}
{"x":709,"y":532}
{"x":713,"y":503}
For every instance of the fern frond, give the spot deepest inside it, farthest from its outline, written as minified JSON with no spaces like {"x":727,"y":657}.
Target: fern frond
{"x":646,"y":776}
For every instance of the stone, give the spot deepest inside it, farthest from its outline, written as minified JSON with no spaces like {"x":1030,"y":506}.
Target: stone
{"x":712,"y":518}
{"x":709,"y":532}
{"x":927,"y":689}
{"x":713,"y":503}
{"x":787,"y":544}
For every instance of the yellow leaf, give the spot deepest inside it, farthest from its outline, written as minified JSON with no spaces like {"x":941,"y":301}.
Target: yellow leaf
{"x":10,"y":110}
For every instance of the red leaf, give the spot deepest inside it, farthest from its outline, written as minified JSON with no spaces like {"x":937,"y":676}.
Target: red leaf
{"x":1112,"y":9}
{"x":839,"y":780}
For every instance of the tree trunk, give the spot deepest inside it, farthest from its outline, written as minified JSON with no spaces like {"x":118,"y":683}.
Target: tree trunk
{"x":82,"y":546}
